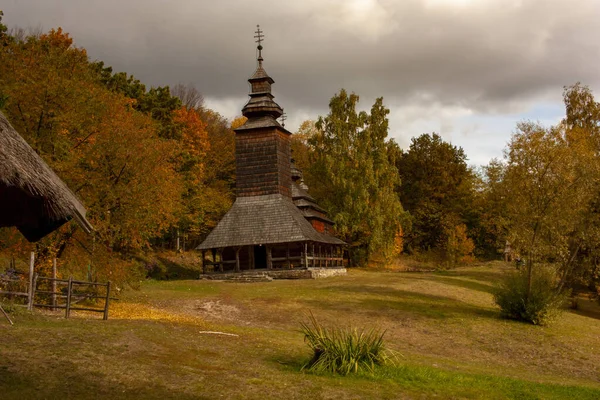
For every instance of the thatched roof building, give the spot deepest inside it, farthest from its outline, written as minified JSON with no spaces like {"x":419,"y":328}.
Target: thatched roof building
{"x":274,"y":222}
{"x":32,"y":197}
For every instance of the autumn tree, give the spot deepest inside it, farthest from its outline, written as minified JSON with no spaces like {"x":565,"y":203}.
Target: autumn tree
{"x":157,"y":102}
{"x":190,"y":164}
{"x":582,"y":126}
{"x":300,"y":144}
{"x":353,"y":177}
{"x":189,"y":96}
{"x":582,"y":110}
{"x":210,"y":189}
{"x":109,"y":153}
{"x":549,"y":182}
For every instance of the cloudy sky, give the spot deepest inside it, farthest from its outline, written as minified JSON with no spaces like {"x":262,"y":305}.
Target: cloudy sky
{"x":467,"y":69}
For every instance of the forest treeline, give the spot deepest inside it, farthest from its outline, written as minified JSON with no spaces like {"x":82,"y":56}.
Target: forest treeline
{"x":148,"y":163}
{"x":154,"y":164}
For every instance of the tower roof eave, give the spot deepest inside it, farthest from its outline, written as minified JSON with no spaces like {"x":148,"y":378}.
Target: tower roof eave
{"x":259,"y":75}
{"x":261,"y":122}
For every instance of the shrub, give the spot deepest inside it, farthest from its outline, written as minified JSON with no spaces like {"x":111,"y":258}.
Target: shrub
{"x":458,"y":247}
{"x":343,"y":351}
{"x":544,"y":303}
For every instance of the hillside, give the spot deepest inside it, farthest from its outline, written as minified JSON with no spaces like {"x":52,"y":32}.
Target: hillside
{"x":444,"y":325}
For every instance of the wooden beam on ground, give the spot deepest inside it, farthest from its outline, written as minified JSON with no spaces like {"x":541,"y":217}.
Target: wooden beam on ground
{"x":6,"y":315}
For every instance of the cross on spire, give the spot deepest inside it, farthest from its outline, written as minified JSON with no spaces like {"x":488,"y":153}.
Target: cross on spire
{"x":259,"y":38}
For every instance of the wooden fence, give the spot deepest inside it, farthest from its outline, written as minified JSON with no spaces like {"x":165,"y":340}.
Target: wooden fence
{"x":60,"y":293}
{"x":71,"y":295}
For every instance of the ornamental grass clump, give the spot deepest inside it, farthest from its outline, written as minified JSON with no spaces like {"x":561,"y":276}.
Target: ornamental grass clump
{"x":343,"y":351}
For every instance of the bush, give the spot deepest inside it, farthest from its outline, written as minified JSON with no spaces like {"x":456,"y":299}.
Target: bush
{"x":343,"y":351}
{"x":458,"y":247}
{"x":544,"y":303}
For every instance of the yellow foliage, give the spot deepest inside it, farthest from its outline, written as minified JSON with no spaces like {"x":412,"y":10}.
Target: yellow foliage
{"x":237,"y":122}
{"x":137,"y":311}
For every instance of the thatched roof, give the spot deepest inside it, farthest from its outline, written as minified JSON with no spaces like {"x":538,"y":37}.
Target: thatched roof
{"x":267,"y":219}
{"x":32,"y":197}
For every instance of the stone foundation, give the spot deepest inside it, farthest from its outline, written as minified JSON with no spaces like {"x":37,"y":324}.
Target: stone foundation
{"x":266,"y":275}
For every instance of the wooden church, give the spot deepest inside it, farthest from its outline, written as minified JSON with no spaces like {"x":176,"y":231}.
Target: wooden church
{"x":274,"y":223}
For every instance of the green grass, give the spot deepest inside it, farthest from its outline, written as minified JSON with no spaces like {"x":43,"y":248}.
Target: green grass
{"x":445,"y":325}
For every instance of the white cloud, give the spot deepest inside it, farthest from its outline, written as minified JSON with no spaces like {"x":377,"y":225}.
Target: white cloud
{"x":439,"y":64}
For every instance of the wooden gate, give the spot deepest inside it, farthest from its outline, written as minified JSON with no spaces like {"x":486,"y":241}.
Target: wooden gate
{"x":71,"y":292}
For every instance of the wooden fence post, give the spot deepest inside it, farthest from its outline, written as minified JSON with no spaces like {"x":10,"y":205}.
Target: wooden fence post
{"x":214,"y":259}
{"x":54,"y":284}
{"x":30,"y":296}
{"x":269,"y":257}
{"x":221,"y":265}
{"x":107,"y":300}
{"x":237,"y":259}
{"x":69,"y":289}
{"x":305,"y":255}
{"x":32,"y":293}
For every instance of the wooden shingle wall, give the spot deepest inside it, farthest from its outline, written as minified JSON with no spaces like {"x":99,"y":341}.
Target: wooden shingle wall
{"x":263,"y":163}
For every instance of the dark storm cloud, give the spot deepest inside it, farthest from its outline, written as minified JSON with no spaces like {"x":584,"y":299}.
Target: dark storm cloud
{"x":480,"y":55}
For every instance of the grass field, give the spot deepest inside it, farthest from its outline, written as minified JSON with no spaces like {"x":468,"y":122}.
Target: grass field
{"x":444,"y":324}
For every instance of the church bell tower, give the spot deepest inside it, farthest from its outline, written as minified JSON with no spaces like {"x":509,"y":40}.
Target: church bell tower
{"x":262,"y":145}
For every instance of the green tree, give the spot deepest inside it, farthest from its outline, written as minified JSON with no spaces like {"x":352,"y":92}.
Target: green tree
{"x":156,"y":102}
{"x":489,"y":205}
{"x":5,"y":38}
{"x":353,"y":178}
{"x":437,"y":190}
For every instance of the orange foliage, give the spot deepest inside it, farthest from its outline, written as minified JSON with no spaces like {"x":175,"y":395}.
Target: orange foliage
{"x":109,"y":154}
{"x":195,"y":137}
{"x":398,"y":242}
{"x":459,"y":247}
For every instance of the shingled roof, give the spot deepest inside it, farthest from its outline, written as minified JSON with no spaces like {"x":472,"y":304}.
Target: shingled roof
{"x":32,"y":196}
{"x":265,"y":219}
